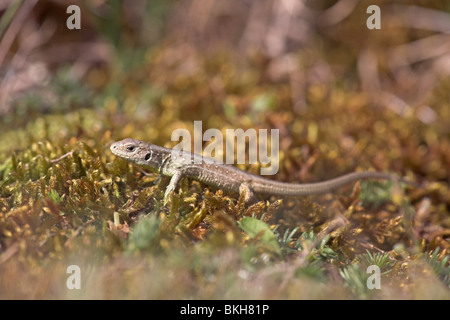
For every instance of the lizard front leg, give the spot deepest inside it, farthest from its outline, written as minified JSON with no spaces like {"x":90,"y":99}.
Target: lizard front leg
{"x":177,"y":176}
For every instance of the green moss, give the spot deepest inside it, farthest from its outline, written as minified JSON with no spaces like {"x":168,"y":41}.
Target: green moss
{"x":65,"y":199}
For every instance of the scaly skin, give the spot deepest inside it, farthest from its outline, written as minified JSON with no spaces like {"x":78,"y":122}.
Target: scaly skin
{"x":178,"y":164}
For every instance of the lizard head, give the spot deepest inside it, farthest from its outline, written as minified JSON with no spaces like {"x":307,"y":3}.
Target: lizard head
{"x":137,"y":152}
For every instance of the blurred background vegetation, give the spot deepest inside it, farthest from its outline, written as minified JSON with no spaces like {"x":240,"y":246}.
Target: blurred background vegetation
{"x":343,"y":98}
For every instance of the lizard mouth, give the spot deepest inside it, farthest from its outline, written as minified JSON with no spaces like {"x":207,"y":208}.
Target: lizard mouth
{"x":114,"y":148}
{"x":124,"y":148}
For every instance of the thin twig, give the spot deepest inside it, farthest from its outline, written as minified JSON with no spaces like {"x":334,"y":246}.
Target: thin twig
{"x":14,"y":28}
{"x":62,"y":157}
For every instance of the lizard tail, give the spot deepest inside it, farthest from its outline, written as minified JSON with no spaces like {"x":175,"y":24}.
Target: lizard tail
{"x":289,"y":189}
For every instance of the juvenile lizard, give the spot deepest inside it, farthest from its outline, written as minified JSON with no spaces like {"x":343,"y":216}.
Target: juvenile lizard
{"x":178,"y":164}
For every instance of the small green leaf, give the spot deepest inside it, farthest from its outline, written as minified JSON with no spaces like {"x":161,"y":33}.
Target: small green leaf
{"x":257,"y":228}
{"x":324,"y":241}
{"x":54,"y":196}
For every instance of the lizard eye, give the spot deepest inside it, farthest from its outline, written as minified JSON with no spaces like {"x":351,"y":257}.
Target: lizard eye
{"x":131,"y":148}
{"x":147,"y":156}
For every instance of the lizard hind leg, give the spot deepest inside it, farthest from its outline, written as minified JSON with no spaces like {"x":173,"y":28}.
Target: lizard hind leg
{"x":249,"y":196}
